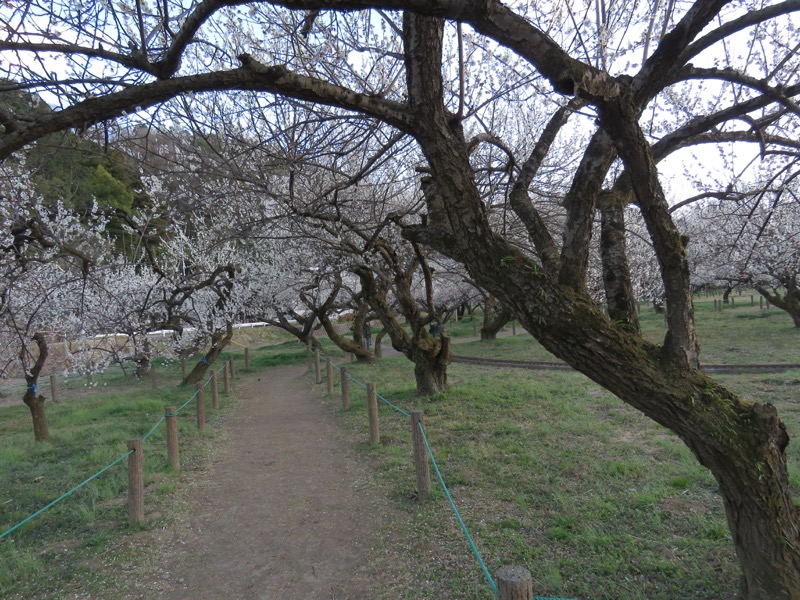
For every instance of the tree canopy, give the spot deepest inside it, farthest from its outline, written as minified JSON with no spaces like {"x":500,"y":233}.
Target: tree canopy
{"x":531,"y":129}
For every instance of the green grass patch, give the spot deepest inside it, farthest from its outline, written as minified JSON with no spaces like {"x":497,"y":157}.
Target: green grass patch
{"x":551,"y":472}
{"x":62,"y":551}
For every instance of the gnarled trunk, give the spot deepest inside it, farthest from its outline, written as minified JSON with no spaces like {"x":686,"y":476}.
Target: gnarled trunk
{"x":742,"y":443}
{"x":494,"y":319}
{"x":431,"y":359}
{"x":790,"y":302}
{"x":219,"y":341}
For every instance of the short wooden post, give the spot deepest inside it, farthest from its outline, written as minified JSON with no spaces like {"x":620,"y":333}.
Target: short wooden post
{"x":513,"y":328}
{"x":761,"y":303}
{"x":135,"y":482}
{"x":226,"y":379}
{"x":53,"y":388}
{"x":232,"y":367}
{"x":420,"y":456}
{"x":329,"y":376}
{"x":173,"y":453}
{"x":372,"y":413}
{"x":752,"y":300}
{"x":733,"y":302}
{"x":201,"y":408}
{"x":345,"y":382}
{"x":183,"y":367}
{"x":247,"y":358}
{"x":214,"y":391}
{"x":715,"y":305}
{"x":474,"y":326}
{"x":514,"y":583}
{"x":767,"y":302}
{"x":317,"y":373}
{"x":352,"y":357}
{"x":153,"y":374}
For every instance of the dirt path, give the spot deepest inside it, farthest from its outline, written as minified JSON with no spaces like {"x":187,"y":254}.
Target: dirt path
{"x":284,"y":512}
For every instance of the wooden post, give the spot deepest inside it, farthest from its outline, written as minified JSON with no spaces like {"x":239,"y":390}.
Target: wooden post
{"x":733,"y":302}
{"x":226,"y":379}
{"x":715,"y":305}
{"x":135,"y":483}
{"x":345,"y":381}
{"x":309,"y":352}
{"x":232,"y":367}
{"x":761,"y":303}
{"x":420,"y":456}
{"x":513,"y":328}
{"x":153,"y":372}
{"x":372,"y":413}
{"x":752,"y":300}
{"x":183,"y":367}
{"x":201,"y":408}
{"x":352,"y":357}
{"x":329,"y":376}
{"x":514,"y":583}
{"x":53,"y":388}
{"x":317,"y":374}
{"x":173,"y":453}
{"x":214,"y":391}
{"x":474,"y":326}
{"x":247,"y":358}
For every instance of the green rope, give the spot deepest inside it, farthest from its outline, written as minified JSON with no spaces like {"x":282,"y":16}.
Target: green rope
{"x":59,"y":499}
{"x":182,"y":406}
{"x":357,"y":381}
{"x":149,"y":433}
{"x":472,"y":545}
{"x":398,"y":409}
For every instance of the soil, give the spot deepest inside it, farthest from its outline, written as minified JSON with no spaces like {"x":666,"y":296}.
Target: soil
{"x":285,"y":511}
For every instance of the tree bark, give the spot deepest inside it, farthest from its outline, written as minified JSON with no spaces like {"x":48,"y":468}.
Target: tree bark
{"x":494,"y":319}
{"x":742,"y":443}
{"x":790,"y":302}
{"x":35,"y":402}
{"x":219,"y":341}
{"x":616,"y":272}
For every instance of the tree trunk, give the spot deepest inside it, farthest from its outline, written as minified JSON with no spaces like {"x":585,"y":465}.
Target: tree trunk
{"x":35,"y":403}
{"x":361,"y":353}
{"x":494,"y":319}
{"x":219,"y":342}
{"x":790,"y":302}
{"x":41,"y":431}
{"x":430,"y":365}
{"x":742,"y":443}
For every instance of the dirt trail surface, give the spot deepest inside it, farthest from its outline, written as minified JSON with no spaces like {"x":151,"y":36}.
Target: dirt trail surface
{"x":284,"y":512}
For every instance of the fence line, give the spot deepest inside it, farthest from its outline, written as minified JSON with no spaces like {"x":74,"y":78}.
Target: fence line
{"x":512,"y":588}
{"x":106,"y":468}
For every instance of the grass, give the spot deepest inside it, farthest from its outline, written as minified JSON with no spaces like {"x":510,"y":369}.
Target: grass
{"x":548,"y":471}
{"x":551,"y":472}
{"x":741,"y":335}
{"x":62,"y":550}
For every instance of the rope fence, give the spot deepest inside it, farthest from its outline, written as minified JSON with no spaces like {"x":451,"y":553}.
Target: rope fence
{"x":135,"y":477}
{"x":510,"y":582}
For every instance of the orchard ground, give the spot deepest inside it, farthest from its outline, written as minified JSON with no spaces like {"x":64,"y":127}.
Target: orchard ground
{"x":548,"y":471}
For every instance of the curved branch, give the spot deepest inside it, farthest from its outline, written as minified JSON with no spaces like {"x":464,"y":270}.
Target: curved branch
{"x":251,"y":76}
